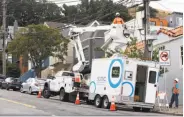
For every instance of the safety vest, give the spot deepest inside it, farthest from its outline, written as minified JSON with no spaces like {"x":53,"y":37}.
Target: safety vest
{"x":175,"y":90}
{"x":118,"y":20}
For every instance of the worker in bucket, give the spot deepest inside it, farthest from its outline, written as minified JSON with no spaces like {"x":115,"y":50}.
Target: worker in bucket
{"x":118,"y":19}
{"x":175,"y":94}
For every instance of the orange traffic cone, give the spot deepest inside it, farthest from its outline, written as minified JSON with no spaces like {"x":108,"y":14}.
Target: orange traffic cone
{"x":77,"y":101}
{"x":113,"y":106}
{"x":39,"y":94}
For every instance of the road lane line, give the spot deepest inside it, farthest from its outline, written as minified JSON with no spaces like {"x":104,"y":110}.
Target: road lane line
{"x":15,"y":102}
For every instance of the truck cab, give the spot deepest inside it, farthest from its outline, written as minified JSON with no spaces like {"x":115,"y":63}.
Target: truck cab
{"x":62,"y":84}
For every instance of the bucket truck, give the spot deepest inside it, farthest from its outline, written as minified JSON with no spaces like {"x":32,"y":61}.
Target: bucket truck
{"x":130,"y":82}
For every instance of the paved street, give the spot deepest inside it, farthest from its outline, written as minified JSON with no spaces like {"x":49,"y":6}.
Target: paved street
{"x":16,"y":103}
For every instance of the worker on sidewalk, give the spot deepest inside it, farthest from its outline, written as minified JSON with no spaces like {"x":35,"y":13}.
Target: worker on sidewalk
{"x":175,"y":94}
{"x":118,"y":19}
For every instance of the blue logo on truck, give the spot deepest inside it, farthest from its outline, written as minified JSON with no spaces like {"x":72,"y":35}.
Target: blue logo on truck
{"x":131,"y":87}
{"x":120,"y":73}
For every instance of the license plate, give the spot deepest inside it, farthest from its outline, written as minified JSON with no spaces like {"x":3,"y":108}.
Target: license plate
{"x":17,"y":87}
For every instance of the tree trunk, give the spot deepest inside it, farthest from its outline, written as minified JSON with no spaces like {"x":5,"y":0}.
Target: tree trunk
{"x":38,"y":72}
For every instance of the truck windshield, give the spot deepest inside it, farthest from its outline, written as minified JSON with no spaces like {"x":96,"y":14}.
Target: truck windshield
{"x":68,"y":74}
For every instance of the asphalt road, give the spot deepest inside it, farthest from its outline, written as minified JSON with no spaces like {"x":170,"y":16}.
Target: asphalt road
{"x":19,"y":104}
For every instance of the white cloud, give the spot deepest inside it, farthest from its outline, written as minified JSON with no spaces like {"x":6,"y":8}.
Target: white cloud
{"x":169,"y":5}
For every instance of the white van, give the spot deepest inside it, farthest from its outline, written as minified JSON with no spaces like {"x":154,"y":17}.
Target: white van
{"x":131,"y":82}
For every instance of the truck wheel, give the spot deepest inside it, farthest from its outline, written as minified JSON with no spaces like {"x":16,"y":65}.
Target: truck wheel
{"x":30,"y":91}
{"x":98,"y":101}
{"x":137,"y":109}
{"x":145,"y":109}
{"x":105,"y":102}
{"x":7,"y":88}
{"x":62,"y":95}
{"x":46,"y":93}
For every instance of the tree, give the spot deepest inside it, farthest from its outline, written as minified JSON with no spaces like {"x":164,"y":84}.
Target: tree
{"x":28,"y":12}
{"x":153,"y":12}
{"x":88,"y":11}
{"x":131,"y":51}
{"x":38,"y":42}
{"x":12,"y":70}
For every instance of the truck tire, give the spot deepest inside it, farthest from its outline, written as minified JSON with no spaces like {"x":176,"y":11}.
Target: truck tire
{"x":105,"y":103}
{"x":146,"y":109}
{"x":62,"y":95}
{"x":30,"y":91}
{"x":98,"y":101}
{"x":46,"y":92}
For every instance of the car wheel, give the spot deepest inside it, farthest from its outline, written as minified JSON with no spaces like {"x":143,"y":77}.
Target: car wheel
{"x":62,"y":95}
{"x":21,"y":89}
{"x":98,"y":100}
{"x":14,"y":89}
{"x":146,"y":109}
{"x":46,"y":93}
{"x":30,"y":91}
{"x":105,"y":102}
{"x":7,"y":87}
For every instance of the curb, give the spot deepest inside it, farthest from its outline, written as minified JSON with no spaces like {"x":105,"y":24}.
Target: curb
{"x":174,"y":114}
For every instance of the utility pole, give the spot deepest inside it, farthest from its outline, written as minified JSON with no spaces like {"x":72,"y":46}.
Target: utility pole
{"x":4,"y":37}
{"x":147,"y":53}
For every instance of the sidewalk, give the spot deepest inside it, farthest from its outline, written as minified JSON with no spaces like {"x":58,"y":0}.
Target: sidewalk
{"x":172,"y":111}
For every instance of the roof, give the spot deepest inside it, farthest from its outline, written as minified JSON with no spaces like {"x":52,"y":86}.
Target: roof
{"x":56,"y":24}
{"x":172,"y":33}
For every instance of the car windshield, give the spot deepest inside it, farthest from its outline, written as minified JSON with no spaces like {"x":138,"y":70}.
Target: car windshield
{"x":68,"y":74}
{"x":8,"y":79}
{"x":16,"y":80}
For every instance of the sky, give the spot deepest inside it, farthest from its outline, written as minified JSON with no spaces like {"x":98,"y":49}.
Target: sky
{"x":168,"y":5}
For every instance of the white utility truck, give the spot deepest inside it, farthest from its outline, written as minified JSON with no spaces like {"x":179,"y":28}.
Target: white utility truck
{"x":131,"y":82}
{"x":61,"y":84}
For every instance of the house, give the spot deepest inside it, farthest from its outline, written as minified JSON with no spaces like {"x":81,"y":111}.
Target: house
{"x":175,"y":19}
{"x":54,"y":62}
{"x":171,"y":40}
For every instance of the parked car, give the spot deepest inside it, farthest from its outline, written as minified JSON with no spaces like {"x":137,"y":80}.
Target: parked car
{"x":6,"y":82}
{"x":32,"y":85}
{"x":2,"y":78}
{"x":15,"y":84}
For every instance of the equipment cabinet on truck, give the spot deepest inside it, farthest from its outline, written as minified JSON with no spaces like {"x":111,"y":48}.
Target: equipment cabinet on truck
{"x":131,"y":82}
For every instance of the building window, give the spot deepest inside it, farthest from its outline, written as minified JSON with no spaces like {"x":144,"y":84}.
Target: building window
{"x":153,"y":23}
{"x":179,"y":21}
{"x":181,"y":54}
{"x":161,"y":24}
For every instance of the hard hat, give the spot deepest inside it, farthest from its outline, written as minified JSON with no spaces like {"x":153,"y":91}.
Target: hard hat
{"x":176,"y":79}
{"x":117,"y":14}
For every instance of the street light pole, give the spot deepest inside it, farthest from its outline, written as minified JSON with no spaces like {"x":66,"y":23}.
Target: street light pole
{"x":4,"y":37}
